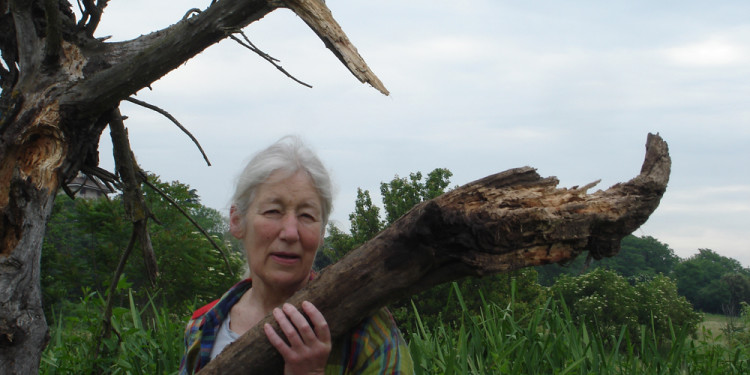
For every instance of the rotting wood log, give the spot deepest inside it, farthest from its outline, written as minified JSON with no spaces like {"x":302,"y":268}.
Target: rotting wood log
{"x":500,"y":223}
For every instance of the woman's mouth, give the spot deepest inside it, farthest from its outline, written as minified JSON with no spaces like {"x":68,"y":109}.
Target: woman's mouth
{"x":285,"y":258}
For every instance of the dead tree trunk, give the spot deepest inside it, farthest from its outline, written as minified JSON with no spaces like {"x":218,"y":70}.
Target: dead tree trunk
{"x":507,"y":221}
{"x":59,"y":85}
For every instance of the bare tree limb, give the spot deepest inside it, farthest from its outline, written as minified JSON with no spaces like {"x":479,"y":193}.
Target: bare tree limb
{"x":155,"y":54}
{"x":107,"y":177}
{"x":317,"y":15}
{"x":135,"y":209}
{"x":500,"y":223}
{"x":27,"y":43}
{"x":174,"y":120}
{"x":135,"y":205}
{"x":94,"y":13}
{"x":249,"y":45}
{"x":53,"y":40}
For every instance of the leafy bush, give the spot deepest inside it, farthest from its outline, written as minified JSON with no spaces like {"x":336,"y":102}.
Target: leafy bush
{"x":607,"y":301}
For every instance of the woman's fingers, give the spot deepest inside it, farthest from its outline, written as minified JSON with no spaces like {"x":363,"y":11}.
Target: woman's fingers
{"x":276,"y":340}
{"x":319,"y":322}
{"x":309,"y":346}
{"x":297,"y":328}
{"x":300,"y":323}
{"x":289,"y":327}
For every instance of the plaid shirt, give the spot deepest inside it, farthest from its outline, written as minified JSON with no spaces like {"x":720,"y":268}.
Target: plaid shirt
{"x":375,"y":346}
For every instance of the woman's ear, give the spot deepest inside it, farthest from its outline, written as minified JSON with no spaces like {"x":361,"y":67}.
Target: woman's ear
{"x":236,"y":223}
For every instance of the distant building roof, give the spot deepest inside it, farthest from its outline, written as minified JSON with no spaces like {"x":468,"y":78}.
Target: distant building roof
{"x":88,"y":187}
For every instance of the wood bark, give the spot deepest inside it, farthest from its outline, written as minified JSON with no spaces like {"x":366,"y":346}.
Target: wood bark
{"x":503,"y":222}
{"x":59,"y":83}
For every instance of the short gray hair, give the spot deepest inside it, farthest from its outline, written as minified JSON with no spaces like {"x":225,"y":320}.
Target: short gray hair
{"x":288,"y":154}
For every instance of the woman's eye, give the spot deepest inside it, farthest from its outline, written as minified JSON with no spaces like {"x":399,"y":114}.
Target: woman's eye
{"x":308,"y":217}
{"x":272,"y":212}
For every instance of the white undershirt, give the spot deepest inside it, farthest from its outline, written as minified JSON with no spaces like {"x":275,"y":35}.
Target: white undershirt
{"x":224,"y":337}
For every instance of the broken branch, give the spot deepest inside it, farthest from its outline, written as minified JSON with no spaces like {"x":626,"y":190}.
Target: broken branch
{"x":174,"y":120}
{"x":319,"y":18}
{"x":249,"y":45}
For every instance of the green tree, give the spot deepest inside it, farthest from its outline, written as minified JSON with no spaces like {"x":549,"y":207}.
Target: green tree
{"x":85,"y":238}
{"x":401,"y":194}
{"x":699,"y":279}
{"x":738,"y":286}
{"x":365,"y":220}
{"x":639,"y":258}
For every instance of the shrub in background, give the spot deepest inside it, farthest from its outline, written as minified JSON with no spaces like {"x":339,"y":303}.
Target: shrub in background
{"x":607,"y":301}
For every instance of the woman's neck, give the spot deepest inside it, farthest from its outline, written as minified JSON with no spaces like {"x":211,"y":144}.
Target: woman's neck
{"x":265,"y":298}
{"x":254,"y":305}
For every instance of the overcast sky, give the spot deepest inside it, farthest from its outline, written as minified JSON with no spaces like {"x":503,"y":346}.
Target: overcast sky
{"x":478,"y":87}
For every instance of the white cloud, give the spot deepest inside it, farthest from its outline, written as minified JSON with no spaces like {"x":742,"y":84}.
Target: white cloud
{"x":712,"y":52}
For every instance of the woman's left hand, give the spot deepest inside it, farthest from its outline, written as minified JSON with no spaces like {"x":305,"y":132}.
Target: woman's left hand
{"x":309,"y":347}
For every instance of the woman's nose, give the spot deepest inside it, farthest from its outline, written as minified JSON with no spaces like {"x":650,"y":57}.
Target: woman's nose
{"x":289,"y":230}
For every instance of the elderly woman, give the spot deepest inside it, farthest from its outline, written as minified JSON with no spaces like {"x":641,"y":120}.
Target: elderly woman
{"x":279,"y":211}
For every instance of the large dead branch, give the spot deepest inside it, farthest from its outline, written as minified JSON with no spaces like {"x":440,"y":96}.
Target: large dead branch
{"x":154,"y":55}
{"x":503,"y":222}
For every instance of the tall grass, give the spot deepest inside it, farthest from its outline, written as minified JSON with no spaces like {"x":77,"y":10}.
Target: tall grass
{"x":144,"y":341}
{"x":495,"y":340}
{"x":548,"y":340}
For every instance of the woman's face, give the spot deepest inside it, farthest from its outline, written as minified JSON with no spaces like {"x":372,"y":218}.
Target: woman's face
{"x":281,"y":230}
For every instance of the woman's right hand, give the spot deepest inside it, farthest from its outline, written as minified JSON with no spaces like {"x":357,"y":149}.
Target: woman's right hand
{"x":309,"y":346}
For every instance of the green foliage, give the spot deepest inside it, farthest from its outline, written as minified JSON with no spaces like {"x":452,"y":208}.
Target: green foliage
{"x":743,"y":334}
{"x":85,"y":239}
{"x":605,"y":300}
{"x":444,"y":304}
{"x":401,"y":194}
{"x":699,"y":279}
{"x":81,"y":247}
{"x":144,"y":341}
{"x":546,"y":340}
{"x":738,"y":286}
{"x":639,"y":257}
{"x":365,"y":220}
{"x":190,"y":268}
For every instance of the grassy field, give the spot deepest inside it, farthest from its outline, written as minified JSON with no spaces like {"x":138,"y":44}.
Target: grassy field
{"x":714,"y":324}
{"x":722,"y":329}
